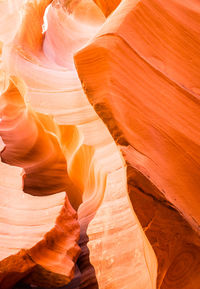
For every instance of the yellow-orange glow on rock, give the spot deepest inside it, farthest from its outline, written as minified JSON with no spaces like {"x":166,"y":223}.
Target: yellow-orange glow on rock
{"x":107,"y":7}
{"x":99,"y":142}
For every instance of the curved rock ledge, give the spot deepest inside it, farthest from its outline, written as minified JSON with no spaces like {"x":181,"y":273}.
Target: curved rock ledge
{"x":121,"y":143}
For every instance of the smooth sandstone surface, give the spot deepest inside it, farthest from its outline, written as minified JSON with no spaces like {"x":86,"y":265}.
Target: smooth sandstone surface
{"x":100,"y":115}
{"x":107,"y":7}
{"x":147,"y":56}
{"x":95,"y":164}
{"x":31,"y":219}
{"x":164,"y":117}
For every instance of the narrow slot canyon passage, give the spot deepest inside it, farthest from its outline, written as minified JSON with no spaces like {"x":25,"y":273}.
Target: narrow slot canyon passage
{"x":96,"y":157}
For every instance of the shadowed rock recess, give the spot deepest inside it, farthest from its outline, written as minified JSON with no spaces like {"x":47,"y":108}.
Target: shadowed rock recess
{"x":99,"y":144}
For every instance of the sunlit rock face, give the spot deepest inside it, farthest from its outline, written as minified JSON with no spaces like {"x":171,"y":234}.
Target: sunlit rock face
{"x":99,"y":127}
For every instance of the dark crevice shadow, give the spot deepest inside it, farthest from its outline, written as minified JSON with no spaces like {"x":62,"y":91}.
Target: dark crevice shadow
{"x":175,"y":243}
{"x":88,"y":275}
{"x":85,"y":276}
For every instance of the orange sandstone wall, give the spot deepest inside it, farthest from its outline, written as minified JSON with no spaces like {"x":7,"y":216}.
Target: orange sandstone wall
{"x":107,"y":6}
{"x":141,"y":74}
{"x":99,"y":141}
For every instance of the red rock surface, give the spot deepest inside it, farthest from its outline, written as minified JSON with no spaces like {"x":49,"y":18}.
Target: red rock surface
{"x":162,"y":125}
{"x":107,"y":6}
{"x":29,"y":146}
{"x":147,"y":56}
{"x":99,"y":104}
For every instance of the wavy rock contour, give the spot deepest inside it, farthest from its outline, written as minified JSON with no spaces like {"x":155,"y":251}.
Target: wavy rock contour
{"x":119,"y":139}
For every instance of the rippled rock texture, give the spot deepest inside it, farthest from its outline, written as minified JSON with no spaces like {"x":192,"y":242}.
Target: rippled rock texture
{"x":99,"y":127}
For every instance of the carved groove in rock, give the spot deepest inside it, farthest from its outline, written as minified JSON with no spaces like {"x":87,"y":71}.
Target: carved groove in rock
{"x":110,"y":144}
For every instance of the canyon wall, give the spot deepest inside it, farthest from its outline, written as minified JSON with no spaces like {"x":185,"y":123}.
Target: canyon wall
{"x":99,"y":126}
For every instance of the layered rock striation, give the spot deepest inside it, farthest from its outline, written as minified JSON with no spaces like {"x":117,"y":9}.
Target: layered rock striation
{"x":99,"y":145}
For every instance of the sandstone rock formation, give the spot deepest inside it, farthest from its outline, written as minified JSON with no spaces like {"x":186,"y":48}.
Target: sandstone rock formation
{"x":100,"y":112}
{"x":150,"y":103}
